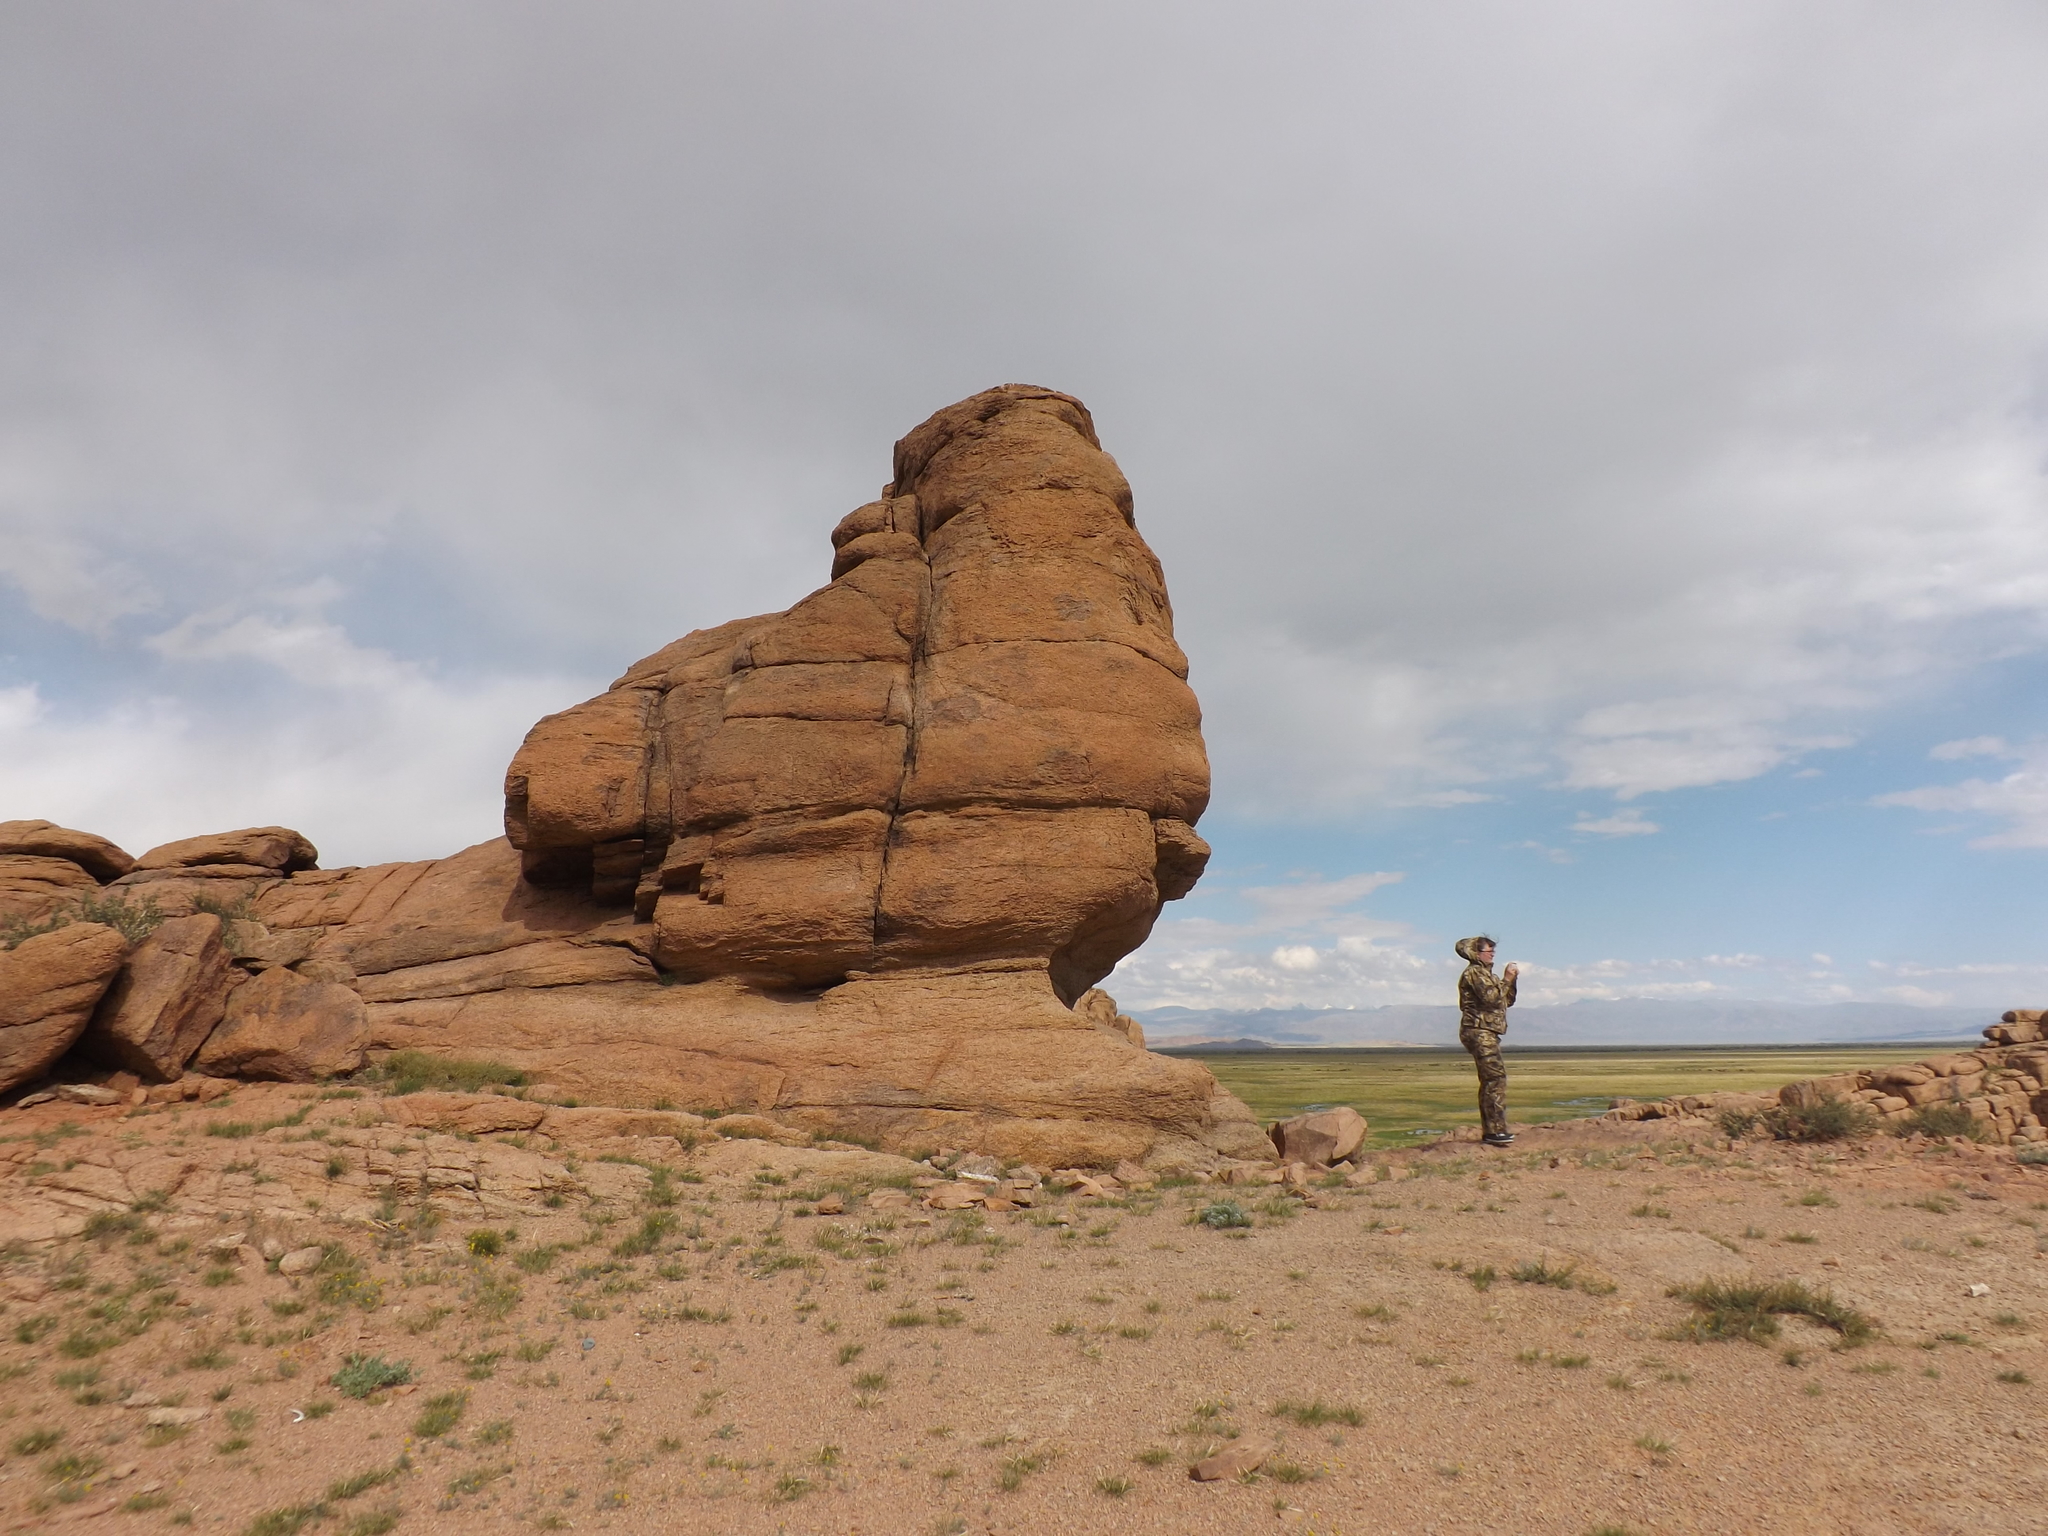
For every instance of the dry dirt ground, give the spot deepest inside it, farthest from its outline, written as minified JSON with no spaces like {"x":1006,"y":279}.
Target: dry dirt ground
{"x":677,"y":1344}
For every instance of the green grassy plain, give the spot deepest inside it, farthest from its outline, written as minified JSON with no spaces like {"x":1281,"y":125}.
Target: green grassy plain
{"x":1406,"y":1092}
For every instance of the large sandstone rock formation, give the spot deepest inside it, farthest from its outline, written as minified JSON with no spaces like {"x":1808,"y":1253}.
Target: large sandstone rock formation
{"x":977,"y":744}
{"x":851,"y":866}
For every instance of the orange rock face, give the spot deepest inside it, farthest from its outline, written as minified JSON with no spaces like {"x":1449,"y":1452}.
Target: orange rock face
{"x":976,"y":745}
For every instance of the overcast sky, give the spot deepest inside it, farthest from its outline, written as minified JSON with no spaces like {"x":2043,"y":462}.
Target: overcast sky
{"x":1597,"y":451}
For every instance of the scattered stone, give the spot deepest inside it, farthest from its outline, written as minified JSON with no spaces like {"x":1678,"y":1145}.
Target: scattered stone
{"x":1323,"y":1136}
{"x":227,"y":1244}
{"x":301,"y":1261}
{"x":1131,"y":1176}
{"x":832,"y":1205}
{"x":1231,"y":1462}
{"x":1978,"y":1290}
{"x":90,"y":1094}
{"x":163,"y":1418}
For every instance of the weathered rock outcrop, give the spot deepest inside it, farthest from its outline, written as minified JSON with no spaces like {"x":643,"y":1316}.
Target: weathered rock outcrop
{"x":45,"y":839}
{"x":851,"y":866}
{"x":1996,"y":1093}
{"x":45,"y":868}
{"x":49,"y":986}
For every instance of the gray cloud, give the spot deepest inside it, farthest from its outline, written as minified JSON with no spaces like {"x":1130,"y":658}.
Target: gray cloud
{"x":1627,"y":398}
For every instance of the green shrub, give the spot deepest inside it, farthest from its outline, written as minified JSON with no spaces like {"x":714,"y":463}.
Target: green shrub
{"x":134,"y":921}
{"x":1941,"y":1120}
{"x":1737,"y":1123}
{"x":1829,"y":1120}
{"x":1222,"y":1214}
{"x":360,"y":1375}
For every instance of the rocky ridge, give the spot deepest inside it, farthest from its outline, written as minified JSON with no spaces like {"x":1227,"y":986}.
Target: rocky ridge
{"x":2002,"y":1087}
{"x":856,"y":866}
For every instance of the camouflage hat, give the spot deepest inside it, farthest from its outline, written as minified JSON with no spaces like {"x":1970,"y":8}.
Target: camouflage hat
{"x":1467,"y":947}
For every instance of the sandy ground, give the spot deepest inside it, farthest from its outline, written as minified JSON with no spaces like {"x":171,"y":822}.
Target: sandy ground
{"x":1057,"y":1369}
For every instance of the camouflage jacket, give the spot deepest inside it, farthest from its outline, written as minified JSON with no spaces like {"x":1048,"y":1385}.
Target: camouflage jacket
{"x":1483,"y":998}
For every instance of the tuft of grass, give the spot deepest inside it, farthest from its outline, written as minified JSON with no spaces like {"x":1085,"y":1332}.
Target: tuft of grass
{"x":1741,"y":1309}
{"x":486,"y":1242}
{"x":440,"y":1414}
{"x":1017,"y":1468}
{"x":2015,"y":1378}
{"x":1482,"y":1278}
{"x":36,"y":1441}
{"x":1543,"y":1272}
{"x":1153,"y":1456}
{"x":1315,"y":1414}
{"x":361,"y":1375}
{"x":654,"y":1226}
{"x":1223,"y":1214}
{"x":1114,"y":1487}
{"x":1818,"y":1197}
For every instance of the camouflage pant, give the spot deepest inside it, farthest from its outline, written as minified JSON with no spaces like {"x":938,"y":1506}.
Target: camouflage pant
{"x":1484,"y":1045}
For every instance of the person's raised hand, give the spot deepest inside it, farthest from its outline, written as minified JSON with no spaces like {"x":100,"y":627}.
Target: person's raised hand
{"x":1512,"y":968}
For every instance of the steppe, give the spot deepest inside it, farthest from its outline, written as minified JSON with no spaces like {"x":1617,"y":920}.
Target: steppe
{"x":619,"y":1320}
{"x":1409,"y":1091}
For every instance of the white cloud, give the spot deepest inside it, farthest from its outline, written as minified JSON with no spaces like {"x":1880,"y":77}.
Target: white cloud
{"x":1974,"y":746}
{"x":1627,"y":822}
{"x":2020,"y":799}
{"x":379,"y":759}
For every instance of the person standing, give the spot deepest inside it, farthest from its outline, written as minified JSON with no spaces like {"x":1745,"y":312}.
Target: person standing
{"x":1483,"y":1003}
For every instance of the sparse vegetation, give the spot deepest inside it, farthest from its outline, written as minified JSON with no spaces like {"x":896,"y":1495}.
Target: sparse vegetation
{"x":404,"y":1072}
{"x":361,"y":1375}
{"x":1738,"y":1309}
{"x":1829,"y":1120}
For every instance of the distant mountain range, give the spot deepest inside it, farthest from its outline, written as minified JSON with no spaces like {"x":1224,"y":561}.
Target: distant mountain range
{"x":1632,"y":1021}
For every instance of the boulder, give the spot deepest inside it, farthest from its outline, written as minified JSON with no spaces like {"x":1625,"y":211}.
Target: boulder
{"x":34,"y":886}
{"x":1322,"y":1136}
{"x":283,"y":1027}
{"x":169,"y":996}
{"x":272,"y":850}
{"x":1232,"y":1462}
{"x":46,"y":840}
{"x":49,"y":986}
